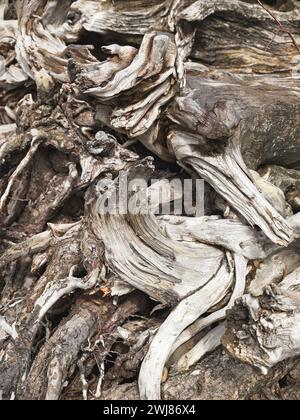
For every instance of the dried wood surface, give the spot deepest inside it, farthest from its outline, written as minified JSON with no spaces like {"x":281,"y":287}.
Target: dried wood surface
{"x":91,"y":90}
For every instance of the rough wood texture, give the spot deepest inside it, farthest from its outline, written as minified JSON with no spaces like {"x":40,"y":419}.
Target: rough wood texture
{"x":271,"y":333}
{"x":92,"y":91}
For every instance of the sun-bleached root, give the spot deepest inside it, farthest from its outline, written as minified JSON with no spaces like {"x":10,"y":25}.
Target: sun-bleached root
{"x":229,"y":176}
{"x":7,"y":328}
{"x":273,"y":269}
{"x":271,"y":333}
{"x":87,"y":296}
{"x":207,"y":344}
{"x":213,"y":338}
{"x":187,"y":311}
{"x":22,"y":167}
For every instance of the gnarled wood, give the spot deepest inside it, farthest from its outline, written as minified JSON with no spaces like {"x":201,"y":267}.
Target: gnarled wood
{"x":89,"y":300}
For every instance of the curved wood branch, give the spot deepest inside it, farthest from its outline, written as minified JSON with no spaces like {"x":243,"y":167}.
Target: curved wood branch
{"x":188,"y":310}
{"x":271,"y":333}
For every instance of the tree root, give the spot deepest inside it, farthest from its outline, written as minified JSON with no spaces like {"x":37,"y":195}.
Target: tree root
{"x":128,"y":304}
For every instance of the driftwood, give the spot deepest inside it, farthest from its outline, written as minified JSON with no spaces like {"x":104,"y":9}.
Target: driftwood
{"x":94,"y":295}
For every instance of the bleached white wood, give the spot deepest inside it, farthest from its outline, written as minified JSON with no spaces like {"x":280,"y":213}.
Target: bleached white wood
{"x":8,"y":329}
{"x":292,"y":281}
{"x":187,"y":311}
{"x":120,"y":288}
{"x":143,"y":256}
{"x":229,"y":176}
{"x":22,"y":167}
{"x":202,"y":323}
{"x":273,"y":269}
{"x":207,"y":344}
{"x":56,"y":290}
{"x":229,"y":234}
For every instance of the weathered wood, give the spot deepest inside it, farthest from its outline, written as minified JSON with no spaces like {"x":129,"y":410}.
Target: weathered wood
{"x":215,"y":127}
{"x":212,"y":146}
{"x":273,"y":270}
{"x":240,"y":22}
{"x":212,"y":339}
{"x":146,"y":258}
{"x":221,"y":377}
{"x":227,"y":233}
{"x":271,"y":333}
{"x":188,"y":310}
{"x":287,"y":180}
{"x":88,"y":89}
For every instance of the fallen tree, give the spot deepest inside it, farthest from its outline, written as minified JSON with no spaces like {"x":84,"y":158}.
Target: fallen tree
{"x":95,"y":91}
